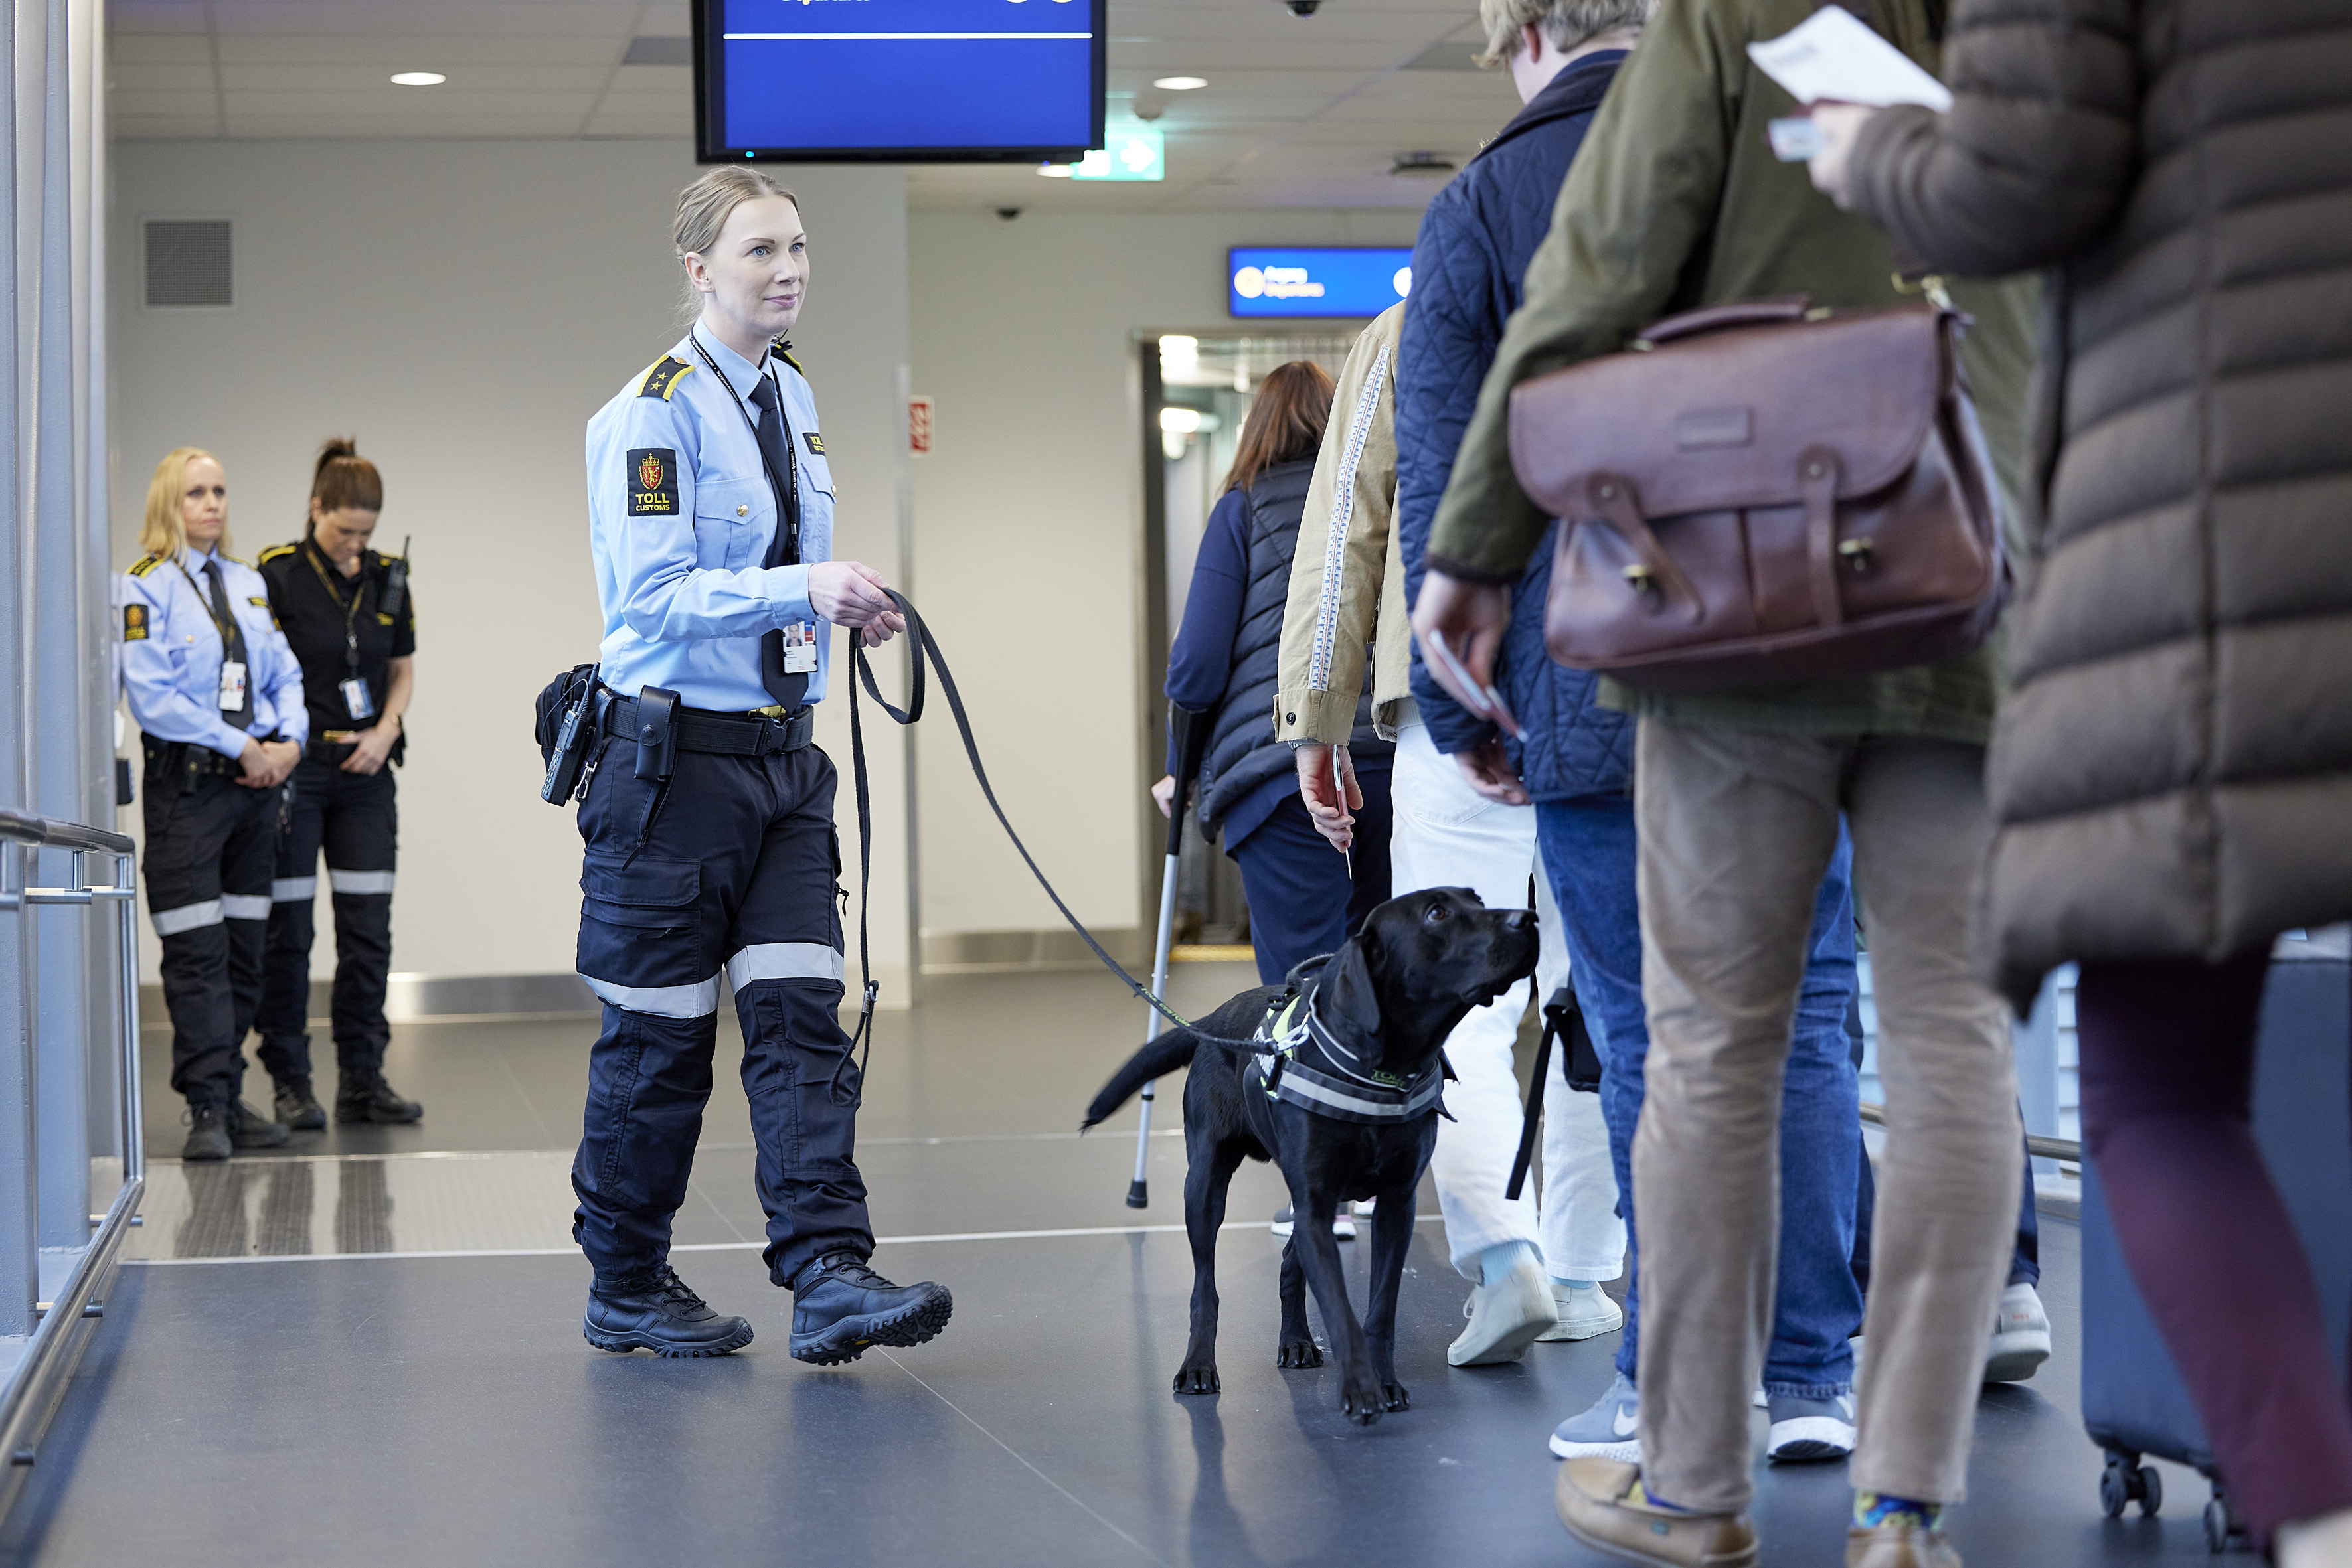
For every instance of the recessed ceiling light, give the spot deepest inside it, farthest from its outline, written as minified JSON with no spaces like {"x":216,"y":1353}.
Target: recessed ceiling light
{"x":418,"y":79}
{"x":1054,"y":171}
{"x":1180,"y":84}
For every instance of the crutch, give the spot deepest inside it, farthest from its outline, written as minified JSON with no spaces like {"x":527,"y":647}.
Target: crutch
{"x":1192,"y":739}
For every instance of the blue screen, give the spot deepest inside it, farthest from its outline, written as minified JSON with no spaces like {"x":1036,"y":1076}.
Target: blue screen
{"x":1316,"y":280}
{"x":869,"y":76}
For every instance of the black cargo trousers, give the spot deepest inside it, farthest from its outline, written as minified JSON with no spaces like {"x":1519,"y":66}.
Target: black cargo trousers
{"x":731,"y":871}
{"x":211,"y":843}
{"x":355,"y":818}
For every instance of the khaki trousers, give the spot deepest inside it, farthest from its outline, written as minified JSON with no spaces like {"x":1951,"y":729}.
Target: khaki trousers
{"x":1737,"y":828}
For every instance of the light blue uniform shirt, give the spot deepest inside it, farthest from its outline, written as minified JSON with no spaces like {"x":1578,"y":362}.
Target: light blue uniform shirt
{"x":172,"y":654}
{"x":680,"y":515}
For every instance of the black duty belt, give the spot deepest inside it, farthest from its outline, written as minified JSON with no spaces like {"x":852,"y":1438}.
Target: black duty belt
{"x":178,"y":759}
{"x":727,"y":734}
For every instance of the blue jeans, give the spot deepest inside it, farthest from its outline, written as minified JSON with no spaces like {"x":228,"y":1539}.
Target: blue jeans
{"x":1589,"y":852}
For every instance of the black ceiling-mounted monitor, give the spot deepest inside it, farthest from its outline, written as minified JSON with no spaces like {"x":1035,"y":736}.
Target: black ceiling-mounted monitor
{"x":898,"y":82}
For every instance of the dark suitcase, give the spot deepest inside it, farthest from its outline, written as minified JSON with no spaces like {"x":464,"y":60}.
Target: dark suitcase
{"x":2134,"y":1403}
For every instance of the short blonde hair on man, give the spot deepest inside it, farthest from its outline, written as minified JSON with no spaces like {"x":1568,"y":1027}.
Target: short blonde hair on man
{"x":1566,"y":23}
{"x":702,"y":209}
{"x":160,"y":534}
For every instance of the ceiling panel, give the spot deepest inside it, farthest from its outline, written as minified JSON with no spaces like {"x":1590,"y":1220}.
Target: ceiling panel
{"x":1300,"y":112}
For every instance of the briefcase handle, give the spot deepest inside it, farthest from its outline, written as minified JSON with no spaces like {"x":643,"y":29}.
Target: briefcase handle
{"x":1721,"y":318}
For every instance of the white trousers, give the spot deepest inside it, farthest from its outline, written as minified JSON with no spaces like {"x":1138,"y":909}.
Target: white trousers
{"x":1448,"y":835}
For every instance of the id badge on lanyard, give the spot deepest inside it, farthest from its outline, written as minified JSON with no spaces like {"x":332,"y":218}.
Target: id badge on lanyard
{"x":231,"y":685}
{"x":800,"y":648}
{"x":357,"y":700}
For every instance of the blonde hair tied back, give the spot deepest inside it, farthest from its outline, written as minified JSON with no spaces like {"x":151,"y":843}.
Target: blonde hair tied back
{"x":160,"y":533}
{"x":1566,"y":23}
{"x":702,"y":209}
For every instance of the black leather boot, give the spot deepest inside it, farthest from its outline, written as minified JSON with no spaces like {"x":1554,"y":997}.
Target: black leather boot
{"x":655,"y":1310}
{"x":298,"y":1108}
{"x":208,"y":1137}
{"x":369,"y":1099}
{"x":840,"y":1306}
{"x":249,"y":1129}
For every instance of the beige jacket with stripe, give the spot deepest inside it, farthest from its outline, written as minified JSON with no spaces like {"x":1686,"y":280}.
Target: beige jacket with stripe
{"x":1346,"y":581}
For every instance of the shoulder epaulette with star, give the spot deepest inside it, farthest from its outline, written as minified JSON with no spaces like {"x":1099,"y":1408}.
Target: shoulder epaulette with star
{"x":145,"y":564}
{"x":661,"y":379}
{"x":275,"y":552}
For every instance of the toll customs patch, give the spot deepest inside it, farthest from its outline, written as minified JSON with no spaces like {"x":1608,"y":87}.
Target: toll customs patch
{"x":653,"y":482}
{"x":134,"y":623}
{"x":815,"y":441}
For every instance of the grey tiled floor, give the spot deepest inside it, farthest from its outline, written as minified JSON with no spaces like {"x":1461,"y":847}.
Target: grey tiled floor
{"x":400,"y":1409}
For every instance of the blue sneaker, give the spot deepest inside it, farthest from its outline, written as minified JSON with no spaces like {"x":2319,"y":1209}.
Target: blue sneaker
{"x":1805,"y":1431}
{"x":1610,"y":1429}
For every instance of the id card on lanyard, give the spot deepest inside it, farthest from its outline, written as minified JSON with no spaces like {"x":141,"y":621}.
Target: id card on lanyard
{"x":231,"y":685}
{"x":358,"y":701}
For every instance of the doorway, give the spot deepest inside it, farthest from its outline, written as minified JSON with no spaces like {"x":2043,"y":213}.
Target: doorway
{"x":1197,"y":392}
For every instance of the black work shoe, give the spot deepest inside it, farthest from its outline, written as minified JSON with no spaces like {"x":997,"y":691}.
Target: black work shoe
{"x":840,"y":1306}
{"x":249,"y":1129}
{"x":298,"y":1108}
{"x":370,"y":1099}
{"x":208,"y":1137}
{"x":654,"y":1311}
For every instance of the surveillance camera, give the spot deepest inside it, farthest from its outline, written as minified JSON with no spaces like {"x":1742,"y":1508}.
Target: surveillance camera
{"x":1303,"y":7}
{"x":1008,"y":214}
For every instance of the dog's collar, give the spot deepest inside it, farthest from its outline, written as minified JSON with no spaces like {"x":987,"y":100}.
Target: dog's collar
{"x":1292,"y":1028}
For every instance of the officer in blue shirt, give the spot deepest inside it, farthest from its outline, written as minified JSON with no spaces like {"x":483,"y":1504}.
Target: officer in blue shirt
{"x":708,"y":812}
{"x":218,"y":698}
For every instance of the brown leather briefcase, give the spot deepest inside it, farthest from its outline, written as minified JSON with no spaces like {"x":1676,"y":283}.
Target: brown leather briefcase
{"x":1762,"y":492}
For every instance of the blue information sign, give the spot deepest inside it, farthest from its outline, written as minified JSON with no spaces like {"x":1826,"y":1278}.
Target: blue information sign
{"x":1316,"y":280}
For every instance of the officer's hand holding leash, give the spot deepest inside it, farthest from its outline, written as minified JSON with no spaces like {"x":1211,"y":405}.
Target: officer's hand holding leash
{"x":851,"y":593}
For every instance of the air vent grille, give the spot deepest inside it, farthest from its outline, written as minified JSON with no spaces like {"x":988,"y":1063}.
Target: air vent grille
{"x":188,"y":264}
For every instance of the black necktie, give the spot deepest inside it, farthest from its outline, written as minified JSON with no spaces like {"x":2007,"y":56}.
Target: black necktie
{"x":232,"y":639}
{"x":783,"y":549}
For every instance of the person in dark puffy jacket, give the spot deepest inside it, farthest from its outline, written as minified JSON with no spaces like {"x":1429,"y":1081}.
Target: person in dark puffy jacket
{"x":1301,"y":899}
{"x":1575,"y":759}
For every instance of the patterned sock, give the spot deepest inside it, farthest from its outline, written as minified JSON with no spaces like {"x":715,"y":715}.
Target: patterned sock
{"x":1870,"y":1509}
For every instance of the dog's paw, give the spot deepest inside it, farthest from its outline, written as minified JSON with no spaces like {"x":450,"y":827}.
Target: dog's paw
{"x":1200,"y":1379}
{"x":1394,"y":1397}
{"x":1361,"y":1405}
{"x":1298,"y":1353}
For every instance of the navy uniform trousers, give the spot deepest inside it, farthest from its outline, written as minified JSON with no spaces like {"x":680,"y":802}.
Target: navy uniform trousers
{"x":355,"y":817}
{"x":736,"y":880}
{"x":211,"y":843}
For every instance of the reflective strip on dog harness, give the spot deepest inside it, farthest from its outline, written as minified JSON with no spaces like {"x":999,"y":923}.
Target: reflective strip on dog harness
{"x":784,"y":961}
{"x":246,"y":905}
{"x":359,"y":880}
{"x":663,"y":1002}
{"x":187,"y":917}
{"x":1311,"y":1090}
{"x":294,"y":890}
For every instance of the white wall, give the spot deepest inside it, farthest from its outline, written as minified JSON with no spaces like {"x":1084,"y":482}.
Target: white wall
{"x":463,"y":308}
{"x":1028,"y":526}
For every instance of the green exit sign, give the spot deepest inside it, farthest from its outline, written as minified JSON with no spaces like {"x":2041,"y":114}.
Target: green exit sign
{"x":1131,"y":155}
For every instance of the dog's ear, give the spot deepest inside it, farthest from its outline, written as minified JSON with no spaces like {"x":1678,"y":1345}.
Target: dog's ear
{"x":1348,"y":995}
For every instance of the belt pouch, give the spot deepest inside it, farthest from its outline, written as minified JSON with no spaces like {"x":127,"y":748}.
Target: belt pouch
{"x":656,"y":733}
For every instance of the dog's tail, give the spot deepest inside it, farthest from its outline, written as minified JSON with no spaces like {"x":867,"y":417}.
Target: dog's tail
{"x":1169,"y":1052}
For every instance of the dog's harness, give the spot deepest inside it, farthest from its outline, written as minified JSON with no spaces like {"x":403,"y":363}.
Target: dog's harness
{"x":1297,"y":1058}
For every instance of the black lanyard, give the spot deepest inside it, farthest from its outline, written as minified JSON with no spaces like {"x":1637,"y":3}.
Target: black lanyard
{"x":791,"y":520}
{"x":227,"y":628}
{"x":351,"y":612}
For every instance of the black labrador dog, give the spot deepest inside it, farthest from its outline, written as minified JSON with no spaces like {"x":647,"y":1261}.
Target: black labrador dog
{"x":1340,"y":1092}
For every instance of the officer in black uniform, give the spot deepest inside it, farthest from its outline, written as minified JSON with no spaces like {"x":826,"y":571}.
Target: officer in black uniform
{"x":710,"y":849}
{"x":349,"y":616}
{"x":218,"y":698}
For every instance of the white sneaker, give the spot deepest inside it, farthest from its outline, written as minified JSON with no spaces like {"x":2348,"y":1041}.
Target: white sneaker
{"x":1810,"y":1429}
{"x":1505,"y":1319}
{"x":1343,"y":1224}
{"x":1583,"y":1312}
{"x":2021,"y":1336}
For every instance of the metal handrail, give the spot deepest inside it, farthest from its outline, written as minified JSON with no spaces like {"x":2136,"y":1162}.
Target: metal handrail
{"x":38,"y":1382}
{"x":2037,"y":1146}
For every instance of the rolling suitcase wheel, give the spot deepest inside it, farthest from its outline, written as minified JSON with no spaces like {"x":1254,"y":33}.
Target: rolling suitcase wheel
{"x":2224,"y":1530}
{"x":2126,"y":1481}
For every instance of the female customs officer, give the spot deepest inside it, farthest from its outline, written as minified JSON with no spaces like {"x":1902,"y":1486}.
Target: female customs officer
{"x":350,"y":619}
{"x":708,"y":817}
{"x":218,"y":698}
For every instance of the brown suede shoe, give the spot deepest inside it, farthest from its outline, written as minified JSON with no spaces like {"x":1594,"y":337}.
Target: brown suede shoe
{"x":1598,"y":1505}
{"x":1899,"y":1545}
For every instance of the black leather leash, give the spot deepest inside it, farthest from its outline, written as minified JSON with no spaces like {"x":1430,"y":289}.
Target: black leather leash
{"x":923,"y":647}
